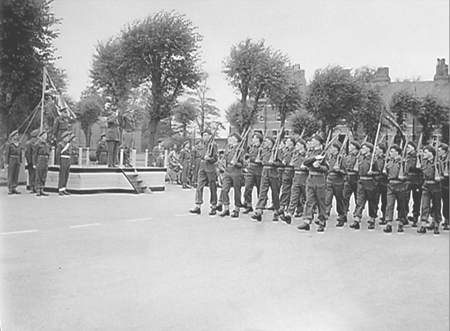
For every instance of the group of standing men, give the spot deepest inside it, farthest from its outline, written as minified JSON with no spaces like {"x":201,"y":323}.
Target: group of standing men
{"x":305,"y":175}
{"x":37,"y":154}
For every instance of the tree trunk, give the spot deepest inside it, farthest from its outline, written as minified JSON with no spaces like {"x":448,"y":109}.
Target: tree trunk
{"x":88,"y":137}
{"x":153,"y":128}
{"x":3,"y":137}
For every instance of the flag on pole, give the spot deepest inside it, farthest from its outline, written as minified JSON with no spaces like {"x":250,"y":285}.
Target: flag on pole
{"x":387,"y":118}
{"x":52,"y":93}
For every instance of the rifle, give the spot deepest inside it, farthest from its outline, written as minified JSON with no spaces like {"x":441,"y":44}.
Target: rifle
{"x":419,"y":146}
{"x":356,"y":167}
{"x":273,"y":155}
{"x":211,"y":142}
{"x":437,"y":175}
{"x":445,"y":170}
{"x":401,"y":172}
{"x":387,"y":154}
{"x":240,"y":147}
{"x":340,"y":155}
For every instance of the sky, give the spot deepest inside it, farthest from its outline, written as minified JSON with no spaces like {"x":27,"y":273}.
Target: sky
{"x":406,"y":36}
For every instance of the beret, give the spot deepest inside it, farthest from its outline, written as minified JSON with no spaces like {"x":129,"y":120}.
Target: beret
{"x":412,"y":144}
{"x":337,"y":144}
{"x":369,"y":145}
{"x":318,"y":137}
{"x":272,"y":139}
{"x":397,"y":148}
{"x":237,"y":136}
{"x":443,"y":146}
{"x":430,"y":149}
{"x":301,"y":141}
{"x":383,"y":147}
{"x":206,"y":131}
{"x":13,"y":133}
{"x":356,"y":144}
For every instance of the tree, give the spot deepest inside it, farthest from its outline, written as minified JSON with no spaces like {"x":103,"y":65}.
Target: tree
{"x":88,"y":111}
{"x":403,"y":104}
{"x":184,"y":114}
{"x":239,"y":117}
{"x":252,"y":69}
{"x":26,"y":38}
{"x":302,"y":121}
{"x":431,"y":115}
{"x":332,"y":96}
{"x":162,"y":51}
{"x":368,"y":115}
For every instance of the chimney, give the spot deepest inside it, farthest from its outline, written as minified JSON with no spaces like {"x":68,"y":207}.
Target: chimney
{"x":382,"y":76}
{"x":441,"y":71}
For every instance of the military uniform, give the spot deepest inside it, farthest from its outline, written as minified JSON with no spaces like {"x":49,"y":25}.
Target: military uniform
{"x":185,"y":160}
{"x":413,"y":178}
{"x":350,"y":179}
{"x":158,"y":154}
{"x":29,"y":148}
{"x":40,"y":159}
{"x":112,"y":141}
{"x":252,"y":176}
{"x":382,"y":182}
{"x":63,"y":152}
{"x":335,"y":185}
{"x":13,"y":158}
{"x":197,"y":159}
{"x":60,"y":126}
{"x":396,"y":192}
{"x":445,"y":192}
{"x":287,"y":177}
{"x":102,"y":152}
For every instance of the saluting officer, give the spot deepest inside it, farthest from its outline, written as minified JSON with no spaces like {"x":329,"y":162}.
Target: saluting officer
{"x":335,"y":183}
{"x":367,"y":188}
{"x":232,"y":176}
{"x":61,"y":125}
{"x":413,"y":176}
{"x":13,"y":158}
{"x":396,"y":189}
{"x":350,"y":179}
{"x":288,"y":174}
{"x":315,"y":185}
{"x":298,"y":193}
{"x":443,"y":158}
{"x":269,"y":179}
{"x":254,"y":171}
{"x":431,"y":191}
{"x":207,"y":174}
{"x":63,"y":151}
{"x":29,"y":148}
{"x":40,"y":161}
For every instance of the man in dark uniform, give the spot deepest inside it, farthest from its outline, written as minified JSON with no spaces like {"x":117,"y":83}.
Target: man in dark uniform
{"x":367,"y":188}
{"x":396,"y":190}
{"x":63,"y":151}
{"x":232,"y":178}
{"x":431,"y":191}
{"x":351,"y":178}
{"x":381,"y":180}
{"x":287,"y":175}
{"x":299,"y":181}
{"x":102,"y":150}
{"x":158,"y":154}
{"x":112,"y":140}
{"x":413,"y":176}
{"x":270,"y":157}
{"x":185,"y":160}
{"x":443,"y":158}
{"x":335,"y":183}
{"x":61,"y":125}
{"x":315,"y":185}
{"x":254,"y":170}
{"x":40,"y":161}
{"x":207,"y":174}
{"x":13,"y":158}
{"x":197,"y":159}
{"x":29,"y":148}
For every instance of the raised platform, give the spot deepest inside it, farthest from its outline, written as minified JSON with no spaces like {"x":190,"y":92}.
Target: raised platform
{"x":101,"y":179}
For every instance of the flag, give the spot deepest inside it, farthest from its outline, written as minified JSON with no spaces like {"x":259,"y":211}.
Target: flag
{"x":388,"y":118}
{"x":52,"y":93}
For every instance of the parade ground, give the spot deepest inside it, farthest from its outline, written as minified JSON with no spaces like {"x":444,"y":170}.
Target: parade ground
{"x":142,"y":262}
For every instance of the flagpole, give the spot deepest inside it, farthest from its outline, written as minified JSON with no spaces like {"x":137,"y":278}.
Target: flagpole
{"x":375,"y":144}
{"x":42,"y":100}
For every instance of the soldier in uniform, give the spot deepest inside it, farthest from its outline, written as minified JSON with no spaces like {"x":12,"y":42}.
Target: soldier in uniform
{"x":367,"y":188}
{"x":315,"y":185}
{"x":335,"y":183}
{"x":207,"y":174}
{"x":288,"y":174}
{"x":232,"y":176}
{"x":431,"y":191}
{"x":158,"y":154}
{"x":269,"y":179}
{"x":185,"y":160}
{"x":61,"y":125}
{"x":13,"y":158}
{"x":63,"y":151}
{"x":254,"y":170}
{"x":40,"y":161}
{"x":413,"y":176}
{"x":112,"y":141}
{"x":443,"y":158}
{"x":350,"y":179}
{"x":29,"y":148}
{"x":381,"y":180}
{"x":299,"y":181}
{"x":396,"y":189}
{"x":197,"y":158}
{"x":102,"y":150}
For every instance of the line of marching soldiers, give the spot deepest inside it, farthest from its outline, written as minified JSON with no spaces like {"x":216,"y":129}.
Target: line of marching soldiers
{"x":37,"y":154}
{"x":305,"y":175}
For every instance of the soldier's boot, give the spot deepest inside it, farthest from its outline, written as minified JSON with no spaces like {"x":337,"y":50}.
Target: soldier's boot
{"x":33,"y":190}
{"x":436,"y":229}
{"x":10,"y":192}
{"x":39,"y":192}
{"x":257,"y":217}
{"x":321,"y":227}
{"x":275,"y":217}
{"x":422,"y":229}
{"x":235,"y":213}
{"x":304,"y":227}
{"x":371,"y":223}
{"x":414,"y":221}
{"x":382,"y":221}
{"x":356,"y":225}
{"x":43,"y":193}
{"x":400,"y":228}
{"x":445,"y":225}
{"x":388,"y":229}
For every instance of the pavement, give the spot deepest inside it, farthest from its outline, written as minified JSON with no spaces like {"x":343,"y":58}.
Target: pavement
{"x":142,"y":262}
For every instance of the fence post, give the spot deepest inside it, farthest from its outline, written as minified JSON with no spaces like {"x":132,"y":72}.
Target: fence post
{"x":146,"y":158}
{"x":121,"y":158}
{"x":80,"y":156}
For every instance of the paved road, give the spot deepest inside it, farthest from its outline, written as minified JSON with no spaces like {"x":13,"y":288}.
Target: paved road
{"x":125,"y":262}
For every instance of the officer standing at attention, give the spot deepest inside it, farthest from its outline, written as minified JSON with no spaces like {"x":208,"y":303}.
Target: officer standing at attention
{"x":63,"y":151}
{"x":350,"y":179}
{"x":254,"y":170}
{"x":13,"y":158}
{"x":29,"y":148}
{"x":61,"y":125}
{"x":112,"y":141}
{"x":315,"y":185}
{"x":207,"y":173}
{"x":396,"y":189}
{"x":413,"y":176}
{"x":40,"y":161}
{"x":158,"y":154}
{"x":185,"y":160}
{"x":287,"y":175}
{"x":335,"y":183}
{"x":443,"y":158}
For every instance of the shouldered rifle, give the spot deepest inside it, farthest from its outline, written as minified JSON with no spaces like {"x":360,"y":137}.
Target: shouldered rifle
{"x":401,"y":172}
{"x":419,"y":147}
{"x":240,"y":147}
{"x":437,"y":174}
{"x":340,"y":155}
{"x":210,"y":149}
{"x":273,"y":155}
{"x":356,"y":167}
{"x":387,"y":158}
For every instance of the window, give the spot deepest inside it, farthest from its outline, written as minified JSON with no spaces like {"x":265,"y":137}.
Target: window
{"x":287,"y":133}
{"x":261,"y":118}
{"x":274,"y":133}
{"x":278,"y":119}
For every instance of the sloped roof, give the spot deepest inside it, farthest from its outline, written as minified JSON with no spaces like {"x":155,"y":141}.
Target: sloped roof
{"x":440,"y":90}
